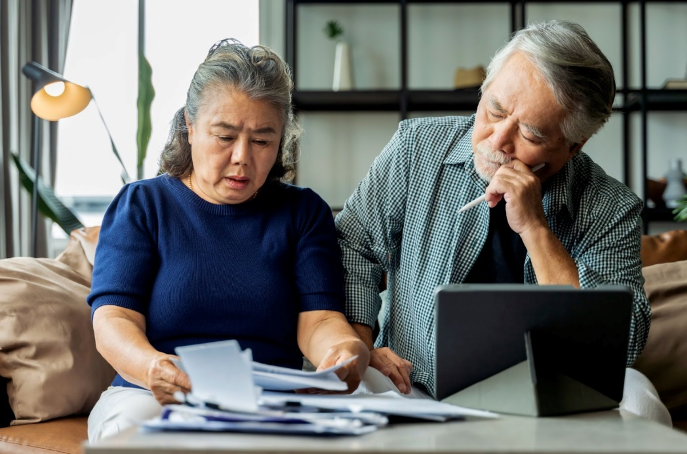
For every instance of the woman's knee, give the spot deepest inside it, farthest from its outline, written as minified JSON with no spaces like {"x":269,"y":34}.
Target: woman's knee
{"x":120,"y":408}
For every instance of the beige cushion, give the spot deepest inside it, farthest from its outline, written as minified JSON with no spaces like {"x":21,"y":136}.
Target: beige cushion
{"x":46,"y":335}
{"x":664,"y":359}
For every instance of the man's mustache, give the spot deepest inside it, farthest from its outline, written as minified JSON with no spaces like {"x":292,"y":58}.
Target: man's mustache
{"x":493,"y":155}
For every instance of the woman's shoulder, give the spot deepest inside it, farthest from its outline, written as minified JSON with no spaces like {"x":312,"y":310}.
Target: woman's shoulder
{"x":148,"y":191}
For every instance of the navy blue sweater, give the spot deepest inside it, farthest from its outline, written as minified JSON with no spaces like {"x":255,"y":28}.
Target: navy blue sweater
{"x":201,"y":272}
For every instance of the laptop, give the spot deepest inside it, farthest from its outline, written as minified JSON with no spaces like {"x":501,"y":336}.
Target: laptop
{"x":531,"y":350}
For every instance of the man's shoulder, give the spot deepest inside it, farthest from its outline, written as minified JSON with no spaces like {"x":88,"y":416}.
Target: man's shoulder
{"x":450,"y":126}
{"x":592,"y":181}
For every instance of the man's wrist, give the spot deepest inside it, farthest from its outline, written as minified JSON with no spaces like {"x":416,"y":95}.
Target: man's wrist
{"x":365,"y":333}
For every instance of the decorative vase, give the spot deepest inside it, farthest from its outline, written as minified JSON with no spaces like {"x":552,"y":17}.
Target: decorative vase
{"x":343,"y":77}
{"x":675,"y":184}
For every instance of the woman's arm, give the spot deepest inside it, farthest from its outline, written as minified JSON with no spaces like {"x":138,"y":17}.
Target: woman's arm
{"x":326,"y":339}
{"x":120,"y":338}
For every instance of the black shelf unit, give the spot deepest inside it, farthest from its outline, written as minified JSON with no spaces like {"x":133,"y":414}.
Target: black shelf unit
{"x":642,"y":100}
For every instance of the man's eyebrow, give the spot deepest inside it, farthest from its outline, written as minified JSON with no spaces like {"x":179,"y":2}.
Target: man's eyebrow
{"x":229,"y":126}
{"x":535,"y":131}
{"x":496,"y":105}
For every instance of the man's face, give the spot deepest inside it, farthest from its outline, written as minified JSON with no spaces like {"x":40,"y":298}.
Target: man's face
{"x":519,"y":118}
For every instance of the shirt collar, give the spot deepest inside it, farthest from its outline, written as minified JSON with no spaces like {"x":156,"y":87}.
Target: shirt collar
{"x":462,"y":151}
{"x":558,"y":190}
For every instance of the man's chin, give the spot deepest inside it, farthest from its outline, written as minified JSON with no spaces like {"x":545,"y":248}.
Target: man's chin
{"x":486,"y":176}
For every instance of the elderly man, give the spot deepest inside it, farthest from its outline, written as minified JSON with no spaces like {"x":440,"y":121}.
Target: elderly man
{"x":547,"y":91}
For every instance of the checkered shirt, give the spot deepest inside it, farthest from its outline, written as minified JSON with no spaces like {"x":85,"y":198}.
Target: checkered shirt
{"x":403,"y":220}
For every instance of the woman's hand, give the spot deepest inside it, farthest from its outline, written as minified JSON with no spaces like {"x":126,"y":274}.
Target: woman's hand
{"x":352,"y":372}
{"x":164,"y":379}
{"x":393,"y":366}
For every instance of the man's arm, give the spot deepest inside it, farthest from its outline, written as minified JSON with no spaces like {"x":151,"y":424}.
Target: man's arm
{"x":608,"y":253}
{"x":369,"y":230}
{"x":522,"y":191}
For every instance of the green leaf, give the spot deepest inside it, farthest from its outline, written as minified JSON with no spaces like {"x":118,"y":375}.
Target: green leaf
{"x":333,"y":29}
{"x":681,"y":211}
{"x":146,"y":93}
{"x":48,"y":203}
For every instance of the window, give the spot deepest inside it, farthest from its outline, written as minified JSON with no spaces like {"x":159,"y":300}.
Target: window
{"x":102,"y":54}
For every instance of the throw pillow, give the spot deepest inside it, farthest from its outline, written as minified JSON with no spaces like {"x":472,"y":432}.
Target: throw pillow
{"x":664,"y":359}
{"x":47,"y":347}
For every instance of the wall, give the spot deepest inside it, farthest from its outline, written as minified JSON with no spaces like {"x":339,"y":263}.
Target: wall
{"x":339,"y":147}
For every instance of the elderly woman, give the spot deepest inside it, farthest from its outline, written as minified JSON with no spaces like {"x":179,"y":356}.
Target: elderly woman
{"x":218,"y":247}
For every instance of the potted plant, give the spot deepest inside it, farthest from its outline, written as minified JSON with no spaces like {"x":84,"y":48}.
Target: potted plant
{"x":343,"y":77}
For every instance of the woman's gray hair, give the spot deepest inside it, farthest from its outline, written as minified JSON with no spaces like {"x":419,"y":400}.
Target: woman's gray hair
{"x":255,"y":71}
{"x":574,"y":68}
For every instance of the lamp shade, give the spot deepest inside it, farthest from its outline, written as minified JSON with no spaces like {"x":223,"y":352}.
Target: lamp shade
{"x":62,"y":98}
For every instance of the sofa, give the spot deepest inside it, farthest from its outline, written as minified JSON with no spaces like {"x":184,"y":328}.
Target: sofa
{"x":53,"y":375}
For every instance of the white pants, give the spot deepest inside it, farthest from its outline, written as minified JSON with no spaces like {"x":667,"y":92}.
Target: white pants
{"x":639,"y":395}
{"x":120,"y":408}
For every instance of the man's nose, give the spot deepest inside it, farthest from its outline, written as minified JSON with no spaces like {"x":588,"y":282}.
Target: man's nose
{"x":503,"y":137}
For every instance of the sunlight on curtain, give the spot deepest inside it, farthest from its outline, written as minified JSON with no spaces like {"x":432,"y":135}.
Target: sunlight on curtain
{"x":102,"y":54}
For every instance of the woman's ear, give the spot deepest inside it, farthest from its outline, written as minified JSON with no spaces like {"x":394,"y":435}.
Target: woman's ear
{"x":189,"y":127}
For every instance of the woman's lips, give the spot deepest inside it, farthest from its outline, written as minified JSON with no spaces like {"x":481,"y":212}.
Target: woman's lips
{"x":237,"y":182}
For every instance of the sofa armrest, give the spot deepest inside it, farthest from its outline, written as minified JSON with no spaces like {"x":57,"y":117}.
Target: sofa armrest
{"x":664,"y":248}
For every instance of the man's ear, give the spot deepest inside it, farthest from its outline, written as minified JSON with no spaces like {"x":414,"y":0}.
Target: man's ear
{"x":574,"y":148}
{"x":189,"y":127}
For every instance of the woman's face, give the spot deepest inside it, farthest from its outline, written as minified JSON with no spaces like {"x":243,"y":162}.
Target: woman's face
{"x":234,"y":144}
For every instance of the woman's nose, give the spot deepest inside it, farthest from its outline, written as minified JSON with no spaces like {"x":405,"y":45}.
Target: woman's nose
{"x":241,"y":152}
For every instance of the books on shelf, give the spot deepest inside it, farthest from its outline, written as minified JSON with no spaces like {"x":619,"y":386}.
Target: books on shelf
{"x":675,"y":84}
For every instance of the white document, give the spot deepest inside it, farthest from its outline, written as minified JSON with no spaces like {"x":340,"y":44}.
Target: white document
{"x":213,"y":367}
{"x":220,"y":373}
{"x":388,"y":403}
{"x":179,"y":417}
{"x":277,"y":378}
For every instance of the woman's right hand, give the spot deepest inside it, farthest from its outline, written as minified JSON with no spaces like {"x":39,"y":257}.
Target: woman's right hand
{"x":164,"y":379}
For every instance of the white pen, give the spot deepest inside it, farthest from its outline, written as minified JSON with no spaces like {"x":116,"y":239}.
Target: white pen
{"x":481,"y":198}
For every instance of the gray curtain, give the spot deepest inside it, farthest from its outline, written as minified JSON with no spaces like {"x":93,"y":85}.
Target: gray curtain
{"x":30,"y":30}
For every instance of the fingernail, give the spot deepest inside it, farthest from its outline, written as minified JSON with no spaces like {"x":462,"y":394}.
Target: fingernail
{"x":402,"y":388}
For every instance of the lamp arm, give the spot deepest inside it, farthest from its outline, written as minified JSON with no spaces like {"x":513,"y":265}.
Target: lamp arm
{"x":124,"y":175}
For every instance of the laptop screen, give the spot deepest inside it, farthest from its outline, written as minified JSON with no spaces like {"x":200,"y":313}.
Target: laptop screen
{"x":484,"y":329}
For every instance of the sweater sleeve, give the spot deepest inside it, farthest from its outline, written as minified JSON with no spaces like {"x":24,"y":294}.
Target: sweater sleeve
{"x":318,"y":270}
{"x":126,"y":259}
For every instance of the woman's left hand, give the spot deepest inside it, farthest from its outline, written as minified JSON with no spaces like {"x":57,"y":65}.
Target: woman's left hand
{"x":352,"y":372}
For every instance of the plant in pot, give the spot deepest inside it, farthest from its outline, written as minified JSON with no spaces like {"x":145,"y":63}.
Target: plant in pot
{"x":343,"y":76}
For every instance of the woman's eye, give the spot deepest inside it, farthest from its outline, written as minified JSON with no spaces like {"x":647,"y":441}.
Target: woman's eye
{"x":225,"y":138}
{"x":495,"y":115}
{"x":260,"y":142}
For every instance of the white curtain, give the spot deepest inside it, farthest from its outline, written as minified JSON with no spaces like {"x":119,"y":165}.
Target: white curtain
{"x":30,"y":30}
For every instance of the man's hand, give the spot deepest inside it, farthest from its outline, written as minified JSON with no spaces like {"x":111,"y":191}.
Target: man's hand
{"x":521,"y":189}
{"x":393,"y":366}
{"x":164,"y":379}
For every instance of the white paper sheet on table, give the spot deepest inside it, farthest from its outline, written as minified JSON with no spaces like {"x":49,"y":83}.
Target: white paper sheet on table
{"x":184,"y":418}
{"x":389,"y":403}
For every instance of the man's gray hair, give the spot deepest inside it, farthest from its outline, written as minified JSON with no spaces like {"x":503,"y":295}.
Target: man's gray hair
{"x":255,"y":71}
{"x":574,"y":68}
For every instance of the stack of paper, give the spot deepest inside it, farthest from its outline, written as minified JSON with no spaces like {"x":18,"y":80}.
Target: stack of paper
{"x":231,"y":393}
